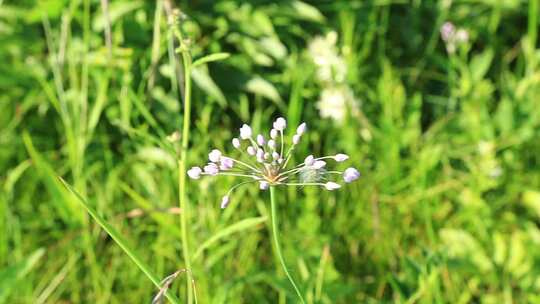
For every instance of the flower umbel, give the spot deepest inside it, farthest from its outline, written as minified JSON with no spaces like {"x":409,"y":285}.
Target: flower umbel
{"x":267,"y":162}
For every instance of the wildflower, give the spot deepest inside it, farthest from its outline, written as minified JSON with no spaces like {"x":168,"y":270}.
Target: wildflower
{"x":331,"y":67}
{"x":453,"y":36}
{"x":335,"y":102}
{"x":267,"y":163}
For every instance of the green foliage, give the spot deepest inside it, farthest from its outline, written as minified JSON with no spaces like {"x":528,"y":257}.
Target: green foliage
{"x":447,"y":209}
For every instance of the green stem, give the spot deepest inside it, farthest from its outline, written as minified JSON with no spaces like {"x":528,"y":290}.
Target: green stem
{"x":184,"y":214}
{"x":276,"y":242}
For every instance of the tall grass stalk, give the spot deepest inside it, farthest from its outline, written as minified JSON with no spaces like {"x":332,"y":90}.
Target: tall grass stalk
{"x":184,"y":214}
{"x":275,"y":235}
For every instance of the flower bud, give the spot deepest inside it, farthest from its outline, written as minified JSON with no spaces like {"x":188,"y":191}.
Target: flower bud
{"x":194,"y":173}
{"x":224,"y":202}
{"x":245,"y":131}
{"x":309,"y":161}
{"x":251,"y":150}
{"x":211,"y":169}
{"x":236,"y":143}
{"x":280,"y":124}
{"x":301,"y":129}
{"x":226,"y":163}
{"x":260,"y":140}
{"x":332,"y":186}
{"x":214,"y":156}
{"x":319,"y":164}
{"x":340,"y":157}
{"x":273,"y":133}
{"x":350,"y":175}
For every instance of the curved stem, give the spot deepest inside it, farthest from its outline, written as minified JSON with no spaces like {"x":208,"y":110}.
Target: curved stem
{"x":278,"y":248}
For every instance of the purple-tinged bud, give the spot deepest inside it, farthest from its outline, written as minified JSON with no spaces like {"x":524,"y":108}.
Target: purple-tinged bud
{"x":272,"y":143}
{"x":273,"y":133}
{"x":260,"y":155}
{"x":309,"y":161}
{"x":226,"y":163}
{"x":319,"y":164}
{"x":350,"y":175}
{"x":280,"y":124}
{"x":211,"y":169}
{"x":340,"y":157}
{"x":194,"y":173}
{"x":263,"y":185}
{"x":214,"y":156}
{"x":236,"y":143}
{"x":260,"y":140}
{"x":301,"y":129}
{"x":275,"y":155}
{"x":251,"y":150}
{"x":295,"y":139}
{"x":224,"y":202}
{"x":332,"y":186}
{"x":245,"y":132}
{"x":448,"y":30}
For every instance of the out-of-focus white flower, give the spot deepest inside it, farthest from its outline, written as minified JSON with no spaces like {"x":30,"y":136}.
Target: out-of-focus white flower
{"x":335,"y":102}
{"x":330,"y":66}
{"x":453,"y":37}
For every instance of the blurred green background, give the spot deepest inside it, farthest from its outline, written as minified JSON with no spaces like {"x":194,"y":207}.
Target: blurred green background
{"x":446,"y":133}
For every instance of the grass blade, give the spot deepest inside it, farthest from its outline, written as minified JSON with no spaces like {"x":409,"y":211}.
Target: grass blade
{"x":242,"y":225}
{"x":119,"y":240}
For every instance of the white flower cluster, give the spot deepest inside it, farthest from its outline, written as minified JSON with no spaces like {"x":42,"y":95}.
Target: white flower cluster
{"x":453,"y":36}
{"x":266,"y":162}
{"x":336,"y":97}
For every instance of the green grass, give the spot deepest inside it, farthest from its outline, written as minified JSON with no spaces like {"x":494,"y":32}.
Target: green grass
{"x":447,"y":209}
